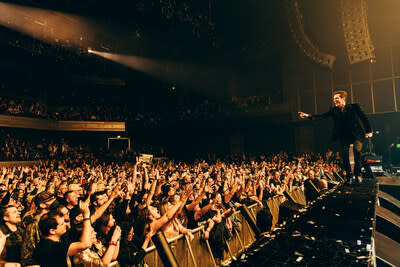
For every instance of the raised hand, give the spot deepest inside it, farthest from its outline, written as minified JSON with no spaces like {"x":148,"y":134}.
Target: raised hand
{"x":190,"y":235}
{"x":115,"y":193}
{"x":93,"y":188}
{"x":188,"y":192}
{"x":84,"y":207}
{"x":303,"y":115}
{"x":131,"y":188}
{"x":150,"y":234}
{"x":116,"y":234}
{"x":206,"y":235}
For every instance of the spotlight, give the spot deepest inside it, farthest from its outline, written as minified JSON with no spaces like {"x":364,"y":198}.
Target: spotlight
{"x":90,"y":50}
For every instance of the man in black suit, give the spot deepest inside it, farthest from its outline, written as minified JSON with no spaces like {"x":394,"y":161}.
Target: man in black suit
{"x":351,"y":126}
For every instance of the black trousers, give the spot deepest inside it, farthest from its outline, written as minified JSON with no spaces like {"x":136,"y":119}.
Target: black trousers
{"x":357,"y":146}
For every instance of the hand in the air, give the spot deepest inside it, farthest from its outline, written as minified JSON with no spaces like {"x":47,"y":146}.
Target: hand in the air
{"x":303,"y":115}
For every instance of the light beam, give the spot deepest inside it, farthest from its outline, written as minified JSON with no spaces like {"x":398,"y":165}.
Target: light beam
{"x":182,"y":73}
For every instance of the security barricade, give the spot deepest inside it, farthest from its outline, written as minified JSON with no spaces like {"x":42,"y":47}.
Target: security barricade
{"x":197,"y":252}
{"x":299,"y":196}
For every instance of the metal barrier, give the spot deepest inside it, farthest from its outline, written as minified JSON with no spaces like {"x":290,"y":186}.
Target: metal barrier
{"x":197,"y":253}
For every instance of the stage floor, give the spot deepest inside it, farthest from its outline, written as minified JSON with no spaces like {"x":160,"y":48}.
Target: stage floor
{"x":336,"y":230}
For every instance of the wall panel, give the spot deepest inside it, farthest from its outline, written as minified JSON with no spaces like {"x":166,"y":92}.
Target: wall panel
{"x":383,"y":95}
{"x":362,"y":96}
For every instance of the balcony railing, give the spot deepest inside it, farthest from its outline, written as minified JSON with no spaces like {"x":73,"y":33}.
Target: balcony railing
{"x":53,"y":125}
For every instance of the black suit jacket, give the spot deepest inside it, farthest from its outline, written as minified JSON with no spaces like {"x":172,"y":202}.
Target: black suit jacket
{"x":355,"y":121}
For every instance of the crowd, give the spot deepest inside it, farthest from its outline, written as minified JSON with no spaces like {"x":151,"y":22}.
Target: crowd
{"x":86,"y":211}
{"x":19,"y":146}
{"x":22,"y":107}
{"x":233,"y":106}
{"x":15,"y":146}
{"x":97,"y":109}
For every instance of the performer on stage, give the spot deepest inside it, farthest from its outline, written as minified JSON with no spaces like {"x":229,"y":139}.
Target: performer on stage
{"x":351,"y":126}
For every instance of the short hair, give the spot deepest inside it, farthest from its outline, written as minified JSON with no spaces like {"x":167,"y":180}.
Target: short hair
{"x":342,"y":94}
{"x":67,"y":193}
{"x":4,"y":212}
{"x":74,"y":212}
{"x":94,"y":196}
{"x":101,"y":223}
{"x":48,"y":222}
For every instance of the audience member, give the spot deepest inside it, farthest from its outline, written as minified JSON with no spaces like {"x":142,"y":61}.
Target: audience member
{"x":60,"y":198}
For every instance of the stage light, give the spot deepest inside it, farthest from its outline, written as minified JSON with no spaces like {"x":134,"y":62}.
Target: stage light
{"x":90,"y":50}
{"x":398,"y":146}
{"x":48,"y":26}
{"x":173,"y":88}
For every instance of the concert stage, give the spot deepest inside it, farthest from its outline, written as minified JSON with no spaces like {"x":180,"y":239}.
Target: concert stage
{"x":335,"y":230}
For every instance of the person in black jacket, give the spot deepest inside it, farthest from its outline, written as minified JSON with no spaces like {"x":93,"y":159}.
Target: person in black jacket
{"x":351,"y":126}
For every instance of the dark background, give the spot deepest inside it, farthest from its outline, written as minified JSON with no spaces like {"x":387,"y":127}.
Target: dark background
{"x":248,"y":50}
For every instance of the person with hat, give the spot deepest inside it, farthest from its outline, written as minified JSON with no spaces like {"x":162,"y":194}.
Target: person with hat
{"x":44,"y":203}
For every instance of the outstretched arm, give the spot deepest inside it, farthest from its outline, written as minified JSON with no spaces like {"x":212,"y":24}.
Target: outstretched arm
{"x":100,"y":210}
{"x":151,"y":193}
{"x":315,"y":116}
{"x":85,"y":241}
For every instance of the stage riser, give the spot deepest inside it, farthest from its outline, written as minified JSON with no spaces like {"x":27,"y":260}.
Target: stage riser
{"x":391,"y":190}
{"x":386,"y":204}
{"x":387,"y":232}
{"x":388,"y":229}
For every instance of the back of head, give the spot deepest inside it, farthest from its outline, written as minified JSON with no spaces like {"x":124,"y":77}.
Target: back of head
{"x":46,"y":223}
